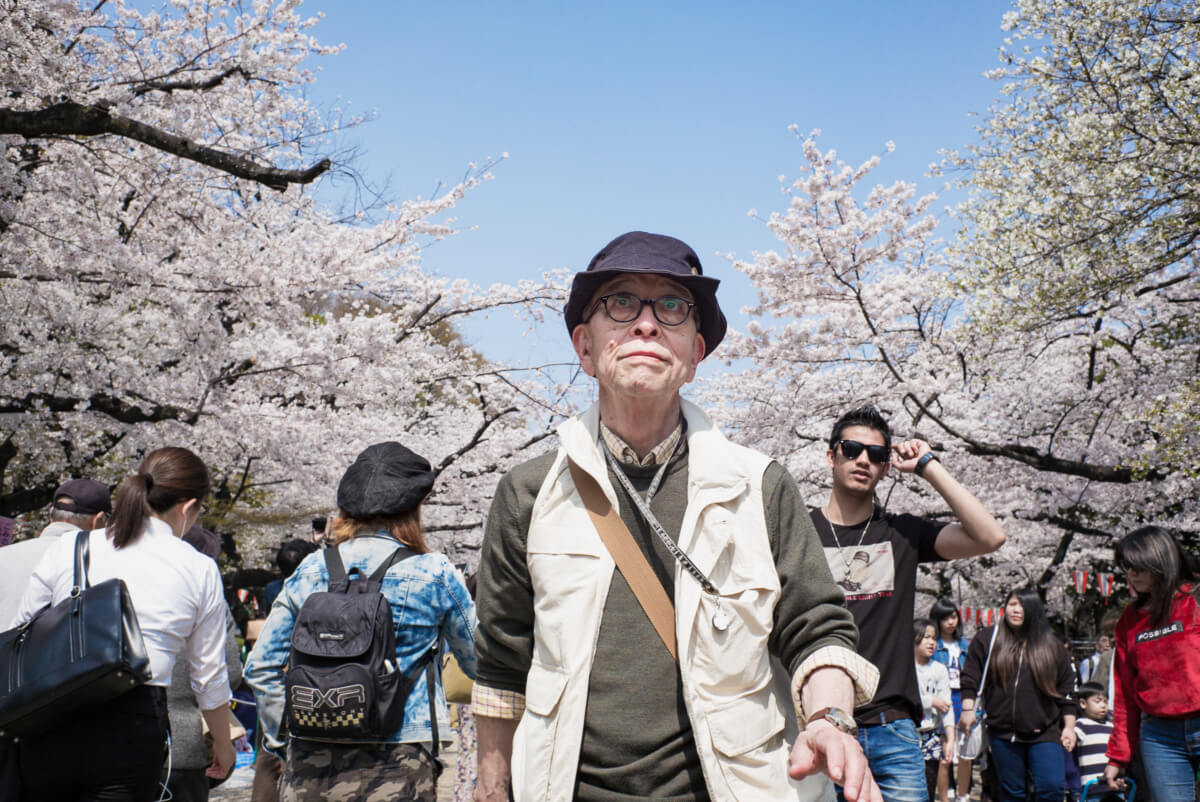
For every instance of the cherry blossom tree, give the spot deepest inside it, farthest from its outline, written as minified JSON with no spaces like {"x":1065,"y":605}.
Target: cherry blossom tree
{"x":167,"y":278}
{"x":861,"y":303}
{"x":1083,"y":216}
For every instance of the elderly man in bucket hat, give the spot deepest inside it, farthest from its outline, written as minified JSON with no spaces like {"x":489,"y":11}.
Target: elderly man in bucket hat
{"x":657,"y":618}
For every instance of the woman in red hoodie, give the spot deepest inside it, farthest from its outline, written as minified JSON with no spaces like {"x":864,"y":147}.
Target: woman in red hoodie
{"x":1156,"y":682}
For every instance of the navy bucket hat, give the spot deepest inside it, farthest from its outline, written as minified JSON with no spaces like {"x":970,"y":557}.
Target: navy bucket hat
{"x":656,"y":254}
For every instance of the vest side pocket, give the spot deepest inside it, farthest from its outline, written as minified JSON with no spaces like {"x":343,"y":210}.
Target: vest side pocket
{"x":534,"y":744}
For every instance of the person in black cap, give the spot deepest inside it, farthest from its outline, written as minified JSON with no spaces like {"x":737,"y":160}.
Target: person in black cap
{"x":77,"y":504}
{"x":379,"y":502}
{"x":737,"y":582}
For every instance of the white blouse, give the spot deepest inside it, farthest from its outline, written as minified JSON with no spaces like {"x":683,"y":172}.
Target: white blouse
{"x":175,"y":590}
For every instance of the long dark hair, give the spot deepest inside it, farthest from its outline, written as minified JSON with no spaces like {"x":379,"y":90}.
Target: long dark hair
{"x":166,"y":477}
{"x":1034,"y":638}
{"x":940,"y":611}
{"x":1152,"y":549}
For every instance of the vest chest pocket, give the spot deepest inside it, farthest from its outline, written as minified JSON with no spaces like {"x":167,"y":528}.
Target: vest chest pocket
{"x":564,"y":560}
{"x":569,"y":575}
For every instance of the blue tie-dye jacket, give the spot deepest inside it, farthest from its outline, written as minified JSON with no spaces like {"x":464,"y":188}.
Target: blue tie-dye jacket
{"x":427,"y":597}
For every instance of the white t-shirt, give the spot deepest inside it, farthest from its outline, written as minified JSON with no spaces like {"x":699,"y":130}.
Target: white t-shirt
{"x":176,"y":592}
{"x":934,"y":681}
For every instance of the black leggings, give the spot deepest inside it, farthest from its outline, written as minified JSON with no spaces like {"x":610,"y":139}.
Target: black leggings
{"x":113,"y":753}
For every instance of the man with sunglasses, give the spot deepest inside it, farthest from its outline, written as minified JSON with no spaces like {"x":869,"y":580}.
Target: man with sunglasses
{"x":570,"y":651}
{"x":873,"y":556}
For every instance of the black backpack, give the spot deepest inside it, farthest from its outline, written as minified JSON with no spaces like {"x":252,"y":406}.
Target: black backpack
{"x":342,"y":681}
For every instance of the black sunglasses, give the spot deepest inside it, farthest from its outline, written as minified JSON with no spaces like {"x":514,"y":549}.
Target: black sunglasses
{"x":852,"y":448}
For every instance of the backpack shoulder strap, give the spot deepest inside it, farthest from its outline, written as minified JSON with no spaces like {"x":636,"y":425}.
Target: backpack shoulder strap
{"x":337,"y":570}
{"x":431,"y":672}
{"x":400,"y":554}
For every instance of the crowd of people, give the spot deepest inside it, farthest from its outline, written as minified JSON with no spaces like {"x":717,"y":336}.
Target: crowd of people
{"x":657,"y":614}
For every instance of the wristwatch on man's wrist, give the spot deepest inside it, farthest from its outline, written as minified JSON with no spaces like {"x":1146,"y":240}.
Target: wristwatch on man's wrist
{"x":837,"y":717}
{"x":925,"y":459}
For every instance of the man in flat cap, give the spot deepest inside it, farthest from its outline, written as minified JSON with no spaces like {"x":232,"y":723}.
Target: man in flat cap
{"x":78,"y":504}
{"x":647,"y":535}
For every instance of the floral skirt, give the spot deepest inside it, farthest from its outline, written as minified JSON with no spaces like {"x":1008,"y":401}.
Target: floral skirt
{"x":464,"y":784}
{"x":931,"y":745}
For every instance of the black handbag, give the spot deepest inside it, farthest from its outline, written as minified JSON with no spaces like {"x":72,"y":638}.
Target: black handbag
{"x":10,"y":771}
{"x":74,"y":655}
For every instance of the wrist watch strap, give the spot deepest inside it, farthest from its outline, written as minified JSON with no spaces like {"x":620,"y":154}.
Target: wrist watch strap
{"x":837,"y":717}
{"x":923,"y":461}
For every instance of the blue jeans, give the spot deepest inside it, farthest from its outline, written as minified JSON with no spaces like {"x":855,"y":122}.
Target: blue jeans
{"x":1043,"y":760}
{"x":1170,"y":750}
{"x":894,"y":754}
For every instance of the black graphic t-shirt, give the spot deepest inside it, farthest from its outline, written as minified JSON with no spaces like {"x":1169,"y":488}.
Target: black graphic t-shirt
{"x":879,"y":577}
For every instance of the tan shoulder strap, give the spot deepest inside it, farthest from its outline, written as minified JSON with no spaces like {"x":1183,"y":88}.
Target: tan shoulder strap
{"x":629,"y":558}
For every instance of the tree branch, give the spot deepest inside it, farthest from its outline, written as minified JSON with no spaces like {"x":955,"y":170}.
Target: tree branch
{"x":75,"y":119}
{"x":475,"y":439}
{"x":115,"y":408}
{"x":1036,"y":459}
{"x":194,"y":86}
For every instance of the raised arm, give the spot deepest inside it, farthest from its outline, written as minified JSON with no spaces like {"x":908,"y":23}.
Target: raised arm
{"x":976,"y":532}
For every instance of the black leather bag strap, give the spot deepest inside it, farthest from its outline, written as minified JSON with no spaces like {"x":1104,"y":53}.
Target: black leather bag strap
{"x":82,"y":561}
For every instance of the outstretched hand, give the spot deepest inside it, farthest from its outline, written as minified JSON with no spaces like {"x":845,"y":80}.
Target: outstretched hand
{"x":823,"y":747}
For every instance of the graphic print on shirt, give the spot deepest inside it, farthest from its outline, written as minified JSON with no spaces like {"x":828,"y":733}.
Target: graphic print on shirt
{"x":953,"y":668}
{"x":871,"y":572}
{"x":927,"y":685}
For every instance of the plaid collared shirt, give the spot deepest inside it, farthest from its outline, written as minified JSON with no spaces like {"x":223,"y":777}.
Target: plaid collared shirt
{"x":627,"y":456}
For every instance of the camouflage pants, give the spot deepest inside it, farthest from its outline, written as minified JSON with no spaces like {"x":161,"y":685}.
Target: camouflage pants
{"x":361,"y":773}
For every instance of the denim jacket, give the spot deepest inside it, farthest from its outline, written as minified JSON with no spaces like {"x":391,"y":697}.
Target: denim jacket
{"x":941,"y":654}
{"x":428,"y":599}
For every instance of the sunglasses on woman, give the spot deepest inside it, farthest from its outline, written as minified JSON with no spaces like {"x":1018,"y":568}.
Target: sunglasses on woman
{"x":852,"y":448}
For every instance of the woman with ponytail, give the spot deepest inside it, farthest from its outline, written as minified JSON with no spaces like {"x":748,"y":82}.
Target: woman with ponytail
{"x":1027,"y":695}
{"x":115,"y":751}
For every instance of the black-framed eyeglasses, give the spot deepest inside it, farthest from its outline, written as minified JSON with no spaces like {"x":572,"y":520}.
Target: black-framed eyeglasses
{"x":625,"y":307}
{"x":852,"y":448}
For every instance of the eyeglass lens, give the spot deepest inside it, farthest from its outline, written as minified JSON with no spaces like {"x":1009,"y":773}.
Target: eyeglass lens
{"x":852,"y":448}
{"x":670,"y":310}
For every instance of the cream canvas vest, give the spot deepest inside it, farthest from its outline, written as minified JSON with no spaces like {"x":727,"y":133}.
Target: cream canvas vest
{"x":737,"y":696}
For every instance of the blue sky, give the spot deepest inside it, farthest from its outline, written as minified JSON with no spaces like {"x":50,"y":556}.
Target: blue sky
{"x":668,"y":117}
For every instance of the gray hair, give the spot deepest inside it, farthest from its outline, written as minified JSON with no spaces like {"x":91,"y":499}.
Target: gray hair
{"x":72,"y":518}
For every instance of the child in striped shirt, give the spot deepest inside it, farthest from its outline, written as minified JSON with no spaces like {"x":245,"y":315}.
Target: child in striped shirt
{"x":1092,"y":729}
